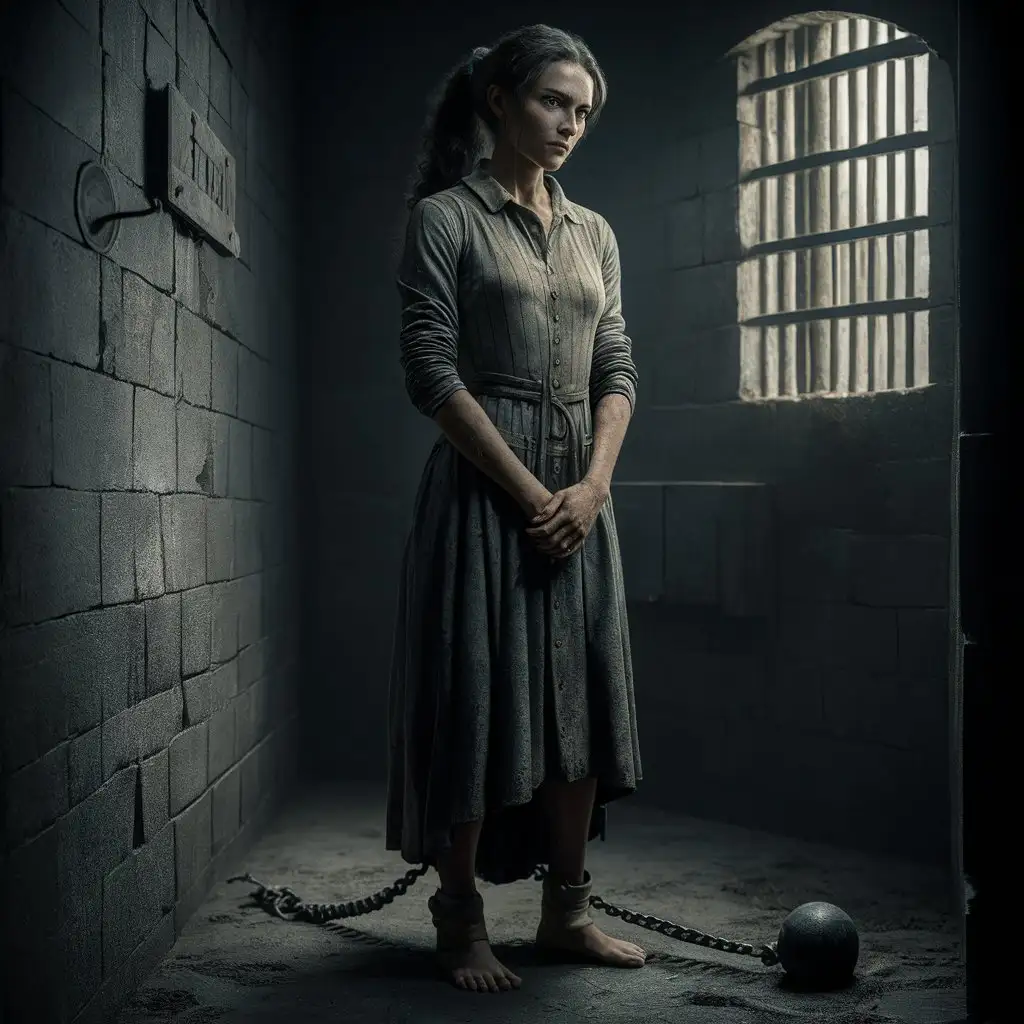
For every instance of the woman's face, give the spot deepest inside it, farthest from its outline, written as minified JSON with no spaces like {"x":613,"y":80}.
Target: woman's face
{"x":551,"y":119}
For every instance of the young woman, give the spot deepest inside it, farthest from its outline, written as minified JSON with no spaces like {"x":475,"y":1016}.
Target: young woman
{"x":512,"y":713}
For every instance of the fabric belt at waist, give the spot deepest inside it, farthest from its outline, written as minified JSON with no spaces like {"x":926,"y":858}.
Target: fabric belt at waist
{"x":503,"y":385}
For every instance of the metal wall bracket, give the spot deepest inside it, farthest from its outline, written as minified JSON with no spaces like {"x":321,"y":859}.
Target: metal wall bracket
{"x":96,"y":210}
{"x":96,"y":207}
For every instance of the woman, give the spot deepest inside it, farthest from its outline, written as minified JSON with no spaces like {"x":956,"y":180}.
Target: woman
{"x":512,"y":714}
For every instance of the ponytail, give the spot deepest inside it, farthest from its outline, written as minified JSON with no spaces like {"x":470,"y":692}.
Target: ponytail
{"x":454,"y":138}
{"x":451,"y":140}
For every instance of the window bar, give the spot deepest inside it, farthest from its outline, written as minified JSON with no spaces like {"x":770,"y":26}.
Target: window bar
{"x":918,"y":258}
{"x":819,"y":122}
{"x":860,"y":29}
{"x":919,"y":352}
{"x":900,"y":181}
{"x":898,"y":336}
{"x":921,"y":270}
{"x":802,"y":288}
{"x":804,"y":361}
{"x":879,"y":209}
{"x":898,"y":208}
{"x":921,"y":182}
{"x":748,"y":275}
{"x":840,"y":110}
{"x":858,"y":90}
{"x":919,"y":117}
{"x":919,"y":267}
{"x":751,"y":355}
{"x":921,"y":264}
{"x":770,"y":224}
{"x":787,"y":201}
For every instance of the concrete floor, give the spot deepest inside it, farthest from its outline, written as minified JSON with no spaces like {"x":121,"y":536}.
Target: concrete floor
{"x":235,"y":963}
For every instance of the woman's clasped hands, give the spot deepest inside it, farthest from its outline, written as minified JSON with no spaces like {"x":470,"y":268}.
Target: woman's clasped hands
{"x":561,"y":526}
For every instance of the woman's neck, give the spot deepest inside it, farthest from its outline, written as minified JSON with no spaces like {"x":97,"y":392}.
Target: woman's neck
{"x":521,"y":178}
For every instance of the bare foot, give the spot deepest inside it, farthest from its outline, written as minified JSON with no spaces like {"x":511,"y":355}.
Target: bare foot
{"x":477,"y":969}
{"x":591,"y":942}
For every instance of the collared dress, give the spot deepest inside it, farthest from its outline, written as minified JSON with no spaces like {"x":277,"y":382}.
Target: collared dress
{"x":507,"y":668}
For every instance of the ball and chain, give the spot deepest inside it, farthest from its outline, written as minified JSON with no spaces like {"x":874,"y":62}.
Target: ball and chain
{"x":817,"y":944}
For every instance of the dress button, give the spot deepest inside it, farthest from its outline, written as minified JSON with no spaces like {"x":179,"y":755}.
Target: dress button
{"x":555,"y":318}
{"x":558,"y":467}
{"x":557,"y":361}
{"x":556,"y":602}
{"x":556,"y":383}
{"x":558,"y":643}
{"x":557,"y":339}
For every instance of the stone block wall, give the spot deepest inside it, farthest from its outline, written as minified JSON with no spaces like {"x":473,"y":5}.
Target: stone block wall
{"x":850,"y":719}
{"x":147,"y":440}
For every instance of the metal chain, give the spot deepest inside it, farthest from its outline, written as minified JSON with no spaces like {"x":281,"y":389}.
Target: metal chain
{"x":284,"y":903}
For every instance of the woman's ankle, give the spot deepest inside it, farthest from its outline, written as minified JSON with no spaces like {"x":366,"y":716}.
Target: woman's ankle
{"x":459,"y":890}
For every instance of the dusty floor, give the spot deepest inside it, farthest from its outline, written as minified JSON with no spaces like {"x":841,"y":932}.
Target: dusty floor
{"x":236,"y":963}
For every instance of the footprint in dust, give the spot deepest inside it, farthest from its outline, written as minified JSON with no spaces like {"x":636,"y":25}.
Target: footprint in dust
{"x":241,"y":971}
{"x":165,"y":1001}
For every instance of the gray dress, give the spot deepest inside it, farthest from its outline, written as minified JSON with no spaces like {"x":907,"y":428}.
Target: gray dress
{"x":507,"y":669}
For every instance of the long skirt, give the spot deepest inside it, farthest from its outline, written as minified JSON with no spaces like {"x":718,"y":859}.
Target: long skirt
{"x":508,"y":669}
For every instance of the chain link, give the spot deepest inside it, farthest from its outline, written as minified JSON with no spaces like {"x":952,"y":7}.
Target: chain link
{"x":284,"y":903}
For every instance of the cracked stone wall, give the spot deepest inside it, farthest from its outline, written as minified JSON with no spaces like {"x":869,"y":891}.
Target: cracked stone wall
{"x":147,"y":463}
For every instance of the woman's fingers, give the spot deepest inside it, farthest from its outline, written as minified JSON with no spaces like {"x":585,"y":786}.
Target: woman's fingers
{"x":562,"y":542}
{"x":550,"y":508}
{"x":552,"y":526}
{"x":566,"y":537}
{"x":562,"y":532}
{"x":573,"y":547}
{"x":553,"y":536}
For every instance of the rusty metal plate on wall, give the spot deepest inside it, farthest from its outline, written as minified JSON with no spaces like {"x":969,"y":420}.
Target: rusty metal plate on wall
{"x":200,"y":175}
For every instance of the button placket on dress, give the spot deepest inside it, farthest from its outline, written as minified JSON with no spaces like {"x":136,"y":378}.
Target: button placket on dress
{"x":559,"y":632}
{"x":561,"y":652}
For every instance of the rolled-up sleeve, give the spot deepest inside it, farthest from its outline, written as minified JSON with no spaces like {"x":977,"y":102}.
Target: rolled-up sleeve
{"x":612,"y":369}
{"x":428,"y":286}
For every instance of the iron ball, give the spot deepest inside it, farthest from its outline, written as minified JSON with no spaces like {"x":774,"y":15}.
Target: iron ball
{"x":818,"y":945}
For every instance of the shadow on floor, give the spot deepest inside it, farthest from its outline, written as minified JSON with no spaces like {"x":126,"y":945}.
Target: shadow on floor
{"x":236,"y":963}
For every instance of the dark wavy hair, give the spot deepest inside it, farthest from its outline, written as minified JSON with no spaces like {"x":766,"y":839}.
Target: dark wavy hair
{"x":452,"y":142}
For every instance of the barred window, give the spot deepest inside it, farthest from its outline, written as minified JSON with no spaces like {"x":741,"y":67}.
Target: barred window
{"x":833,"y":198}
